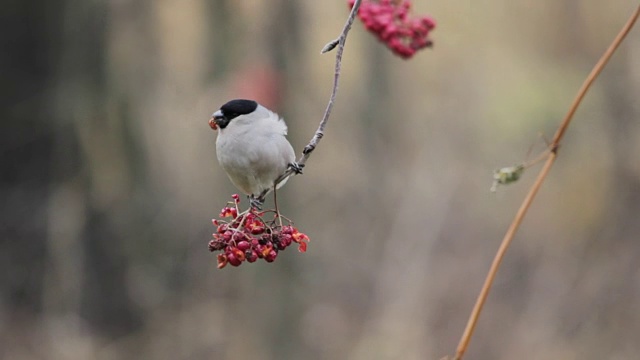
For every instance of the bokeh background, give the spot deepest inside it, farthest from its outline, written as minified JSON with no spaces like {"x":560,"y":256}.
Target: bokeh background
{"x":109,"y":182}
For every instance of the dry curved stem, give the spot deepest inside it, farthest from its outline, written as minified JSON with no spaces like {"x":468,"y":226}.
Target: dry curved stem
{"x":315,"y":140}
{"x":551,"y":157}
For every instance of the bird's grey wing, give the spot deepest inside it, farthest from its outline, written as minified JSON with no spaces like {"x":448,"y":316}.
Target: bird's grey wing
{"x":272,"y":157}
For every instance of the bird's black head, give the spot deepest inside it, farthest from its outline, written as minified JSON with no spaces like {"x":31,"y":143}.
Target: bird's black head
{"x":233,"y":109}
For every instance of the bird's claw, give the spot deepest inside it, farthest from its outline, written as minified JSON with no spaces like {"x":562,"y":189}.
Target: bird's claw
{"x":296,"y":168}
{"x":256,"y":202}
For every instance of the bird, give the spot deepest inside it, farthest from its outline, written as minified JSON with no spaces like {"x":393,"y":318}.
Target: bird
{"x":252,"y":148}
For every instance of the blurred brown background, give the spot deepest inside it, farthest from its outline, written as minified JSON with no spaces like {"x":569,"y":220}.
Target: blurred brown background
{"x":109,"y":182}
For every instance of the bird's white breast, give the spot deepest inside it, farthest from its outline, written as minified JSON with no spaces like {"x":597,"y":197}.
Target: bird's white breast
{"x":254,"y":151}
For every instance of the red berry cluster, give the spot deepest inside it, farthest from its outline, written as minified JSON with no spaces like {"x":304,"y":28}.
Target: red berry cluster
{"x":248,"y":237}
{"x":389,"y":20}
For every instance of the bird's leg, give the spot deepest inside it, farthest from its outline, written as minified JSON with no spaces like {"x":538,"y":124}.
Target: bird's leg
{"x":256,"y":202}
{"x":275,"y":201}
{"x":296,"y":168}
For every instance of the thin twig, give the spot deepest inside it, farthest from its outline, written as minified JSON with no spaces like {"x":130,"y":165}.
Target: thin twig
{"x":315,"y":140}
{"x":543,"y":155}
{"x":553,"y":153}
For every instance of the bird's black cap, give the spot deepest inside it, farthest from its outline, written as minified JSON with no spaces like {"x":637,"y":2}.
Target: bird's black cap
{"x":233,"y":109}
{"x":238,"y":107}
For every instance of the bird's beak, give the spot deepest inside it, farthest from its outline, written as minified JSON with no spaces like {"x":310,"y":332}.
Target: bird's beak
{"x":215,"y":117}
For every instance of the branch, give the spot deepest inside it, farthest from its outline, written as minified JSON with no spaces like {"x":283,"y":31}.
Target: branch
{"x":551,"y":157}
{"x":315,"y":140}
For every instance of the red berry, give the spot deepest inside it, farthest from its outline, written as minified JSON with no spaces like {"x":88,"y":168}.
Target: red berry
{"x":286,"y":240}
{"x":271,"y":256}
{"x":233,"y":260}
{"x":429,"y":22}
{"x":239,"y":254}
{"x":257,"y":230}
{"x":243,"y":245}
{"x":261,"y":249}
{"x":229,"y":212}
{"x":402,"y":14}
{"x":251,"y":256}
